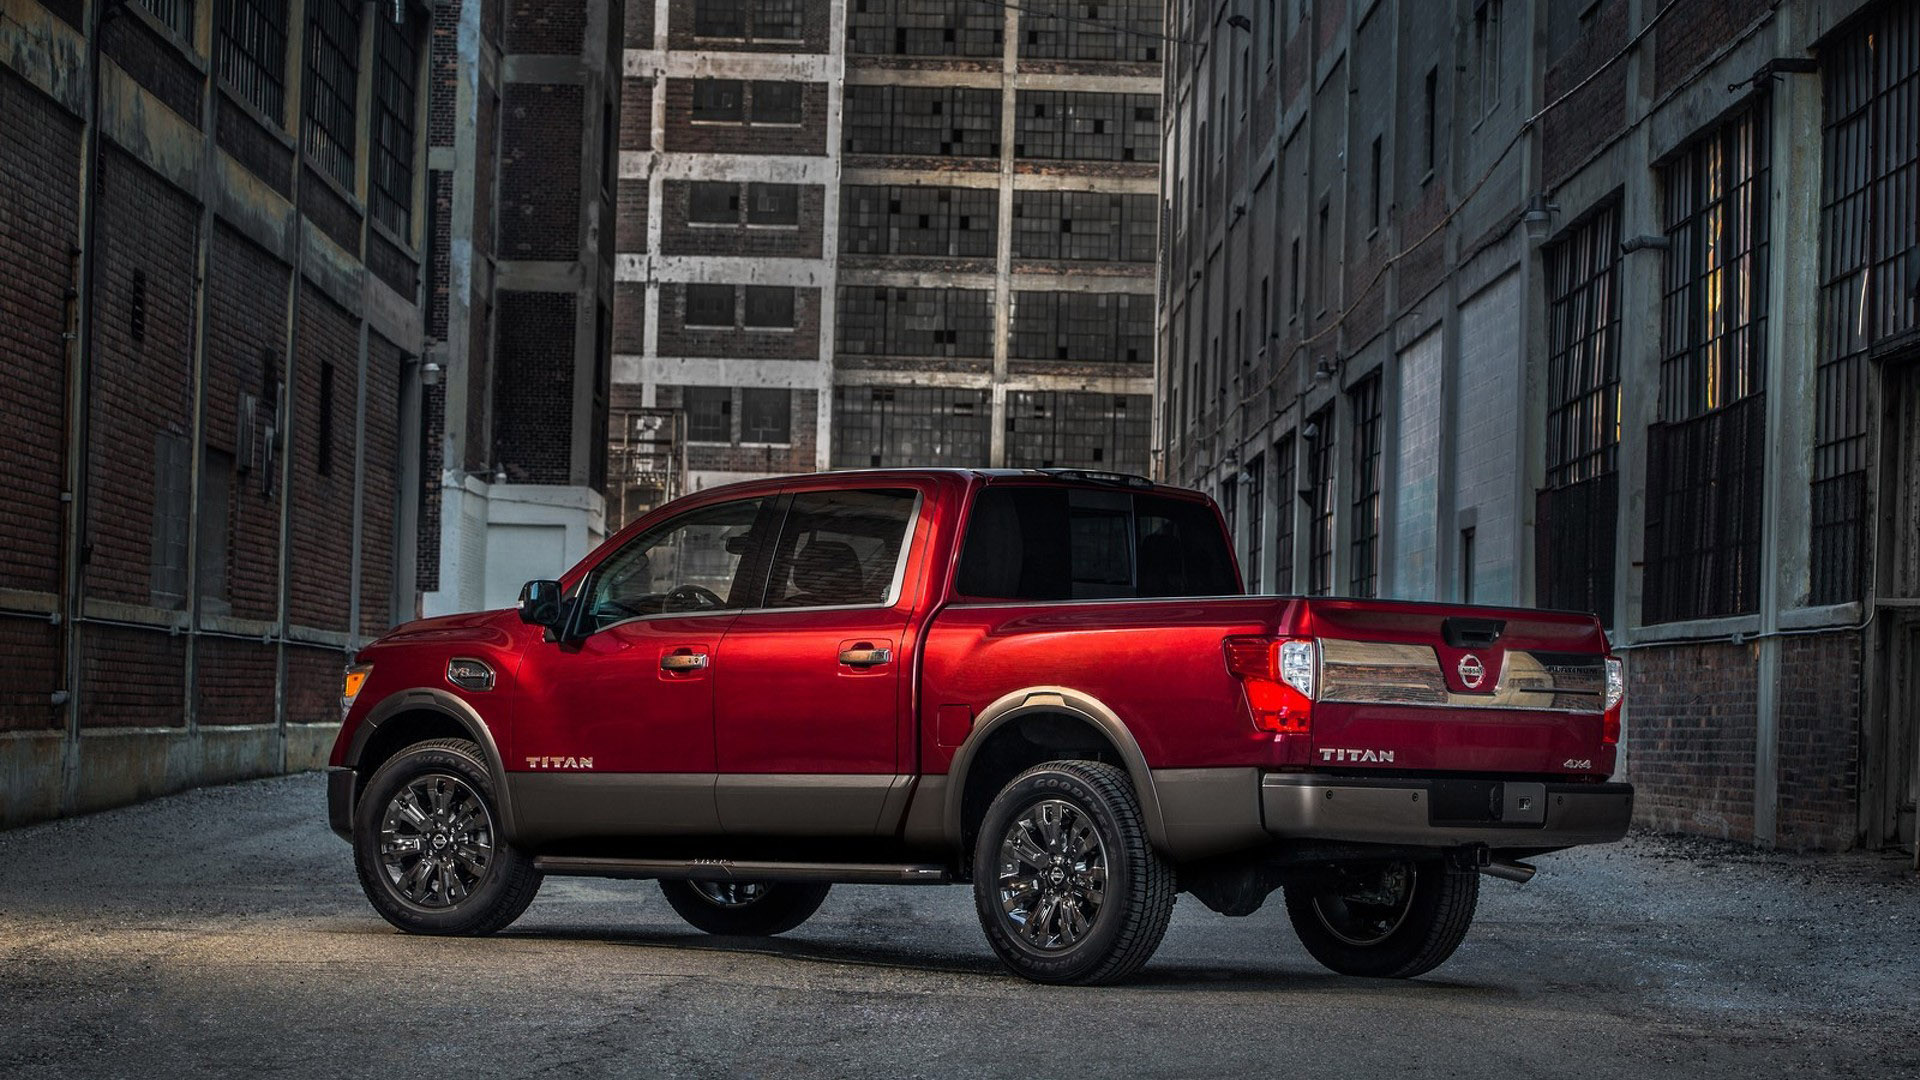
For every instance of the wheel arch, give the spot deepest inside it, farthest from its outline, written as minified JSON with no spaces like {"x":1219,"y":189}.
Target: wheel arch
{"x":415,"y":715}
{"x":1017,"y":712}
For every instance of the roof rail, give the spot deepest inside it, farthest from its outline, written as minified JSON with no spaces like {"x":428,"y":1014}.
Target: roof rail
{"x":1093,"y":476}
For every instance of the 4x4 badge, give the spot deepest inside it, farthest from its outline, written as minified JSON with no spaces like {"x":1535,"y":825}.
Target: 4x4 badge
{"x":1472,"y":672}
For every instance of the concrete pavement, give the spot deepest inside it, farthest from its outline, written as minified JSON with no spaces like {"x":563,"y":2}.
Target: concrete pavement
{"x":222,"y":931}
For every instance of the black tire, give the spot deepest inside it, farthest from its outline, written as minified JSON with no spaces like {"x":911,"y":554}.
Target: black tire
{"x":744,"y":909}
{"x":1060,"y":943}
{"x":458,"y":899}
{"x":1412,"y":935}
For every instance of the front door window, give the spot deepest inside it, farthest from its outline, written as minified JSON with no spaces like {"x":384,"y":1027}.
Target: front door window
{"x":687,"y":566}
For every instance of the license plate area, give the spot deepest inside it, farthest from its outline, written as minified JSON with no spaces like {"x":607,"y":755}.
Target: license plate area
{"x":1486,"y":802}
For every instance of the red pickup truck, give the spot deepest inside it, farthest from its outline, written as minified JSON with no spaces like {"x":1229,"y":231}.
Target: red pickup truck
{"x":1046,"y":683}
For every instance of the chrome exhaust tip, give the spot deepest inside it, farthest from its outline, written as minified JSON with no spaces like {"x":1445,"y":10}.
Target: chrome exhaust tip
{"x":1518,"y":872}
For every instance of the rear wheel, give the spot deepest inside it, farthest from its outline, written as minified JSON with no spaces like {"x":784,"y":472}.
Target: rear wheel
{"x":1385,"y":920}
{"x":744,"y":908}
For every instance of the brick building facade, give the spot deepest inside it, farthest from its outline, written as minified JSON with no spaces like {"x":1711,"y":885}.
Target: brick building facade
{"x":234,"y":236}
{"x":1516,"y":301}
{"x":882,"y":234}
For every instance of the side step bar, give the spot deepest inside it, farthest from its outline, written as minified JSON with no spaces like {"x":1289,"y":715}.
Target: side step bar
{"x":745,"y":870}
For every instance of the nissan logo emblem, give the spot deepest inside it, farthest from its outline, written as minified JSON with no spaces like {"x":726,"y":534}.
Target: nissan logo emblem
{"x":1472,"y":672}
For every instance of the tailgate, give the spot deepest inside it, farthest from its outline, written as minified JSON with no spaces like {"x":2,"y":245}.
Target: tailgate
{"x":1426,"y":687}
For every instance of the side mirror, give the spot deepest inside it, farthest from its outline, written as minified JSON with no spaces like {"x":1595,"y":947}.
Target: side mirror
{"x":540,"y":603}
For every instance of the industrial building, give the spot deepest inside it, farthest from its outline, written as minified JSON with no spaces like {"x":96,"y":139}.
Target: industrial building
{"x":1593,"y":304}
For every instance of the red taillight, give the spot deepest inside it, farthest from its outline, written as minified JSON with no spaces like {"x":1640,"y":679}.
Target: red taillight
{"x":1277,"y":676}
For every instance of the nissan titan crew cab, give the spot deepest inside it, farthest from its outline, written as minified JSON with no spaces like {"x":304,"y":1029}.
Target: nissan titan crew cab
{"x":1047,"y":684}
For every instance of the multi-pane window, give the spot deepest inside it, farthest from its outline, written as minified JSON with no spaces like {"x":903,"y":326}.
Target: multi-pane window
{"x":1283,"y":515}
{"x":776,"y":102}
{"x":709,"y":305}
{"x":395,"y":69}
{"x":1871,"y":153}
{"x":1075,"y":125}
{"x":1320,"y":507}
{"x":747,"y":20}
{"x":719,"y":101}
{"x":250,"y":46}
{"x":926,"y":27}
{"x":1123,"y":30}
{"x":773,"y":205}
{"x":1256,"y":521}
{"x":913,"y":220}
{"x":1055,"y":429}
{"x":176,"y":15}
{"x":1103,"y":327}
{"x":332,"y":81}
{"x":720,"y":19}
{"x":709,"y":413}
{"x":909,"y":425}
{"x":713,"y":203}
{"x":770,"y":307}
{"x":1706,"y":456}
{"x":1083,"y":225}
{"x":934,"y":121}
{"x":1363,"y":570}
{"x":776,"y":20}
{"x":886,"y":321}
{"x":1576,"y":511}
{"x":766,"y":415}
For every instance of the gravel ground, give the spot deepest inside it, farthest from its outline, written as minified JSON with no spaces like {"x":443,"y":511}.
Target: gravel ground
{"x":222,"y":931}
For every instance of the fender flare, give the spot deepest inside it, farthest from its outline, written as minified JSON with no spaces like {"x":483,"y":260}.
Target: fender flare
{"x":1058,"y":700}
{"x":451,"y":706}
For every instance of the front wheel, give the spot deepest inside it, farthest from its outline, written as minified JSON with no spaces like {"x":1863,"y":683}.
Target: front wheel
{"x":1385,"y":920}
{"x":744,"y":908}
{"x":1068,"y":887}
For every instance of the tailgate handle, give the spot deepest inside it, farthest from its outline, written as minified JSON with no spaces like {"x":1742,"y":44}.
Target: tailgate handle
{"x":1463,"y":633}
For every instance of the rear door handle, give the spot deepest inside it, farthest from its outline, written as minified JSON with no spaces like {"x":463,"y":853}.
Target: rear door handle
{"x":683,"y":661}
{"x":866,"y":656}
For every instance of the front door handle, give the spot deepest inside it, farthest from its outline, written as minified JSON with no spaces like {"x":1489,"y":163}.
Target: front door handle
{"x":683,"y":661}
{"x":864,"y":655}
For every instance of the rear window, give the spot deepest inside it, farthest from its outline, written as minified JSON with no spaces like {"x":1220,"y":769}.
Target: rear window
{"x":1065,"y":543}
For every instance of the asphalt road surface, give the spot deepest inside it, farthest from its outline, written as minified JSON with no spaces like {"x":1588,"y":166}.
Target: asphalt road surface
{"x":222,"y":932}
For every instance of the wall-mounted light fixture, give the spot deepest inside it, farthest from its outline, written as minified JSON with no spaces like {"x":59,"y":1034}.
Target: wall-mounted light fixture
{"x":1538,"y":218}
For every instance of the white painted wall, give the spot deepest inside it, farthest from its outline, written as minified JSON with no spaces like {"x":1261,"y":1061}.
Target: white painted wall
{"x":1487,"y":449}
{"x":1412,"y":574}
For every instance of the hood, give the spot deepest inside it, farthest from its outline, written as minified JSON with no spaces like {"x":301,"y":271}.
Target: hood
{"x":474,"y":628}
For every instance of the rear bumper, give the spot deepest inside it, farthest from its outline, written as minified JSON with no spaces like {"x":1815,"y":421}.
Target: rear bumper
{"x":340,"y":790}
{"x":1404,"y":811}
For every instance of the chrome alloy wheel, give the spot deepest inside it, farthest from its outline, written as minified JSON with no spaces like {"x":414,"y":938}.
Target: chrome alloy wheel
{"x":729,"y":894}
{"x":436,"y":840}
{"x":1363,"y":912}
{"x":1052,"y":876}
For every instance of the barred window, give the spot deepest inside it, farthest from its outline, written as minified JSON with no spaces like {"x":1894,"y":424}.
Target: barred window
{"x":713,"y":203}
{"x":773,"y":204}
{"x":1872,"y":168}
{"x":709,"y":413}
{"x":933,"y":121}
{"x":926,"y":27}
{"x":770,"y":307}
{"x":709,"y":305}
{"x":766,"y":415}
{"x":1363,"y":571}
{"x":1320,"y":506}
{"x":877,"y":426}
{"x":1283,"y":515}
{"x":1576,"y":511}
{"x":918,"y":220}
{"x":1082,"y":126}
{"x":1256,"y":520}
{"x":1124,"y":30}
{"x":883,"y":321}
{"x":1103,"y":327}
{"x":250,"y":46}
{"x":175,"y":15}
{"x":1083,"y":225}
{"x":1706,"y":458}
{"x":332,"y":81}
{"x":396,"y":65}
{"x":776,"y":102}
{"x":1055,"y":429}
{"x":718,"y":101}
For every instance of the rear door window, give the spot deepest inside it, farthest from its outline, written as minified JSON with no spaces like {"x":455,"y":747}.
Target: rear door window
{"x":841,"y":549}
{"x":1067,"y":543}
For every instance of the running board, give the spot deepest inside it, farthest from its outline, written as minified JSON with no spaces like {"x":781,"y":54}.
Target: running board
{"x":745,"y":870}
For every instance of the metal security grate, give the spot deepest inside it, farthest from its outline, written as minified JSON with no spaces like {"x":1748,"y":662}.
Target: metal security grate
{"x":333,"y":73}
{"x":1574,"y":545}
{"x":1363,"y":572}
{"x":909,"y":426}
{"x":177,"y":15}
{"x":250,"y":46}
{"x":396,"y":67}
{"x":1705,"y":490}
